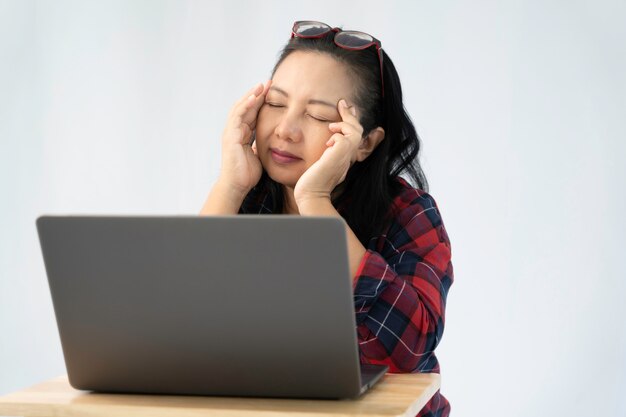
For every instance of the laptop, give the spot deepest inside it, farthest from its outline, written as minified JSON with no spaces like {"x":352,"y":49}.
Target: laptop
{"x":254,"y":306}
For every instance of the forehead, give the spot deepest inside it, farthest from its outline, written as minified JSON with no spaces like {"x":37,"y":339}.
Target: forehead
{"x":313,"y":74}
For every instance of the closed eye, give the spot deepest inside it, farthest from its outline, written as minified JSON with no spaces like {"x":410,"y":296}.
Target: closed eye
{"x":319,"y":120}
{"x":311,"y":116}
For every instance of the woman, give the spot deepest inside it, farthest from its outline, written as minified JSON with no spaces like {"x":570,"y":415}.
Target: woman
{"x":328,"y":136}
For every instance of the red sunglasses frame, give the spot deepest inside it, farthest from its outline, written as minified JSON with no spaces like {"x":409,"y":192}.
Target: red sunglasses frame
{"x":375,"y":42}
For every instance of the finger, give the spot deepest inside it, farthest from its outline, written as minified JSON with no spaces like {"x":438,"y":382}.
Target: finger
{"x":236,"y":108}
{"x":347,"y":113}
{"x":335,"y":139}
{"x":241,"y":108}
{"x":258,"y":96}
{"x":349,"y":130}
{"x":257,"y":100}
{"x":254,"y":103}
{"x":253,"y":92}
{"x":244,"y":112}
{"x":350,"y":123}
{"x":337,"y":134}
{"x":341,"y":127}
{"x":268,"y":84}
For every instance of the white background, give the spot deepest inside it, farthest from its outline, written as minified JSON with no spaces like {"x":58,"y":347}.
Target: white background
{"x":118,"y":106}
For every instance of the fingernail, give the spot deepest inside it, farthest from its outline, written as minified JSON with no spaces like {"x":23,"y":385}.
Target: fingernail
{"x":353,"y":111}
{"x":343,"y":103}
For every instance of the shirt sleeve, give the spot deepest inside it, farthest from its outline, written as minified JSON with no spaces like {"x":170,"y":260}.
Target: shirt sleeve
{"x":400,"y":289}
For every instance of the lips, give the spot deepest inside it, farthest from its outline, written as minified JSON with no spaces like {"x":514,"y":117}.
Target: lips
{"x":284,"y":153}
{"x":283,"y":157}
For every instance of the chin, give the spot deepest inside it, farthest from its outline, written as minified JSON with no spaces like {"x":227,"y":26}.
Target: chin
{"x":288,"y":179}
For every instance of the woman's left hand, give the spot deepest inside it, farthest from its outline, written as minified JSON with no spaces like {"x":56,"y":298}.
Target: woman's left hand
{"x":321,"y":178}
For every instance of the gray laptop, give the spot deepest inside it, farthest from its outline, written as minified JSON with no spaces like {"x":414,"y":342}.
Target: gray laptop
{"x":230,"y":306}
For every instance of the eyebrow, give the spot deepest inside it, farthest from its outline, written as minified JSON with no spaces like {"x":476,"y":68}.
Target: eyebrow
{"x":311,"y":101}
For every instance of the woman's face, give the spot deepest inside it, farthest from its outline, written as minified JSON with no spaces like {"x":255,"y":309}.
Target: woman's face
{"x":292,"y":125}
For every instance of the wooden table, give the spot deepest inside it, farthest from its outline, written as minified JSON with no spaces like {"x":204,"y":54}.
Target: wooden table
{"x":394,"y":395}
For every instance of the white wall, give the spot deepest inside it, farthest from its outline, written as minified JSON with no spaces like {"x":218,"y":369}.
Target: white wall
{"x":118,"y":106}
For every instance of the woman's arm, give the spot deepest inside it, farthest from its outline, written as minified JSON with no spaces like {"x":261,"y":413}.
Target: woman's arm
{"x":222,"y":199}
{"x":240,"y":166}
{"x":400,"y":288}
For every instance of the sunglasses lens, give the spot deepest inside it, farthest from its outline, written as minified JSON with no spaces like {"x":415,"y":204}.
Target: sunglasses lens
{"x":352,"y":39}
{"x":309,"y":28}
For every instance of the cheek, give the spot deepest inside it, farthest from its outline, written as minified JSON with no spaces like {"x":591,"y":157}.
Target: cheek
{"x":316,"y":142}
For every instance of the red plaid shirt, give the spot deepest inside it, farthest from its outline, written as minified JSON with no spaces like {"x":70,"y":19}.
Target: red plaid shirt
{"x":400,"y":289}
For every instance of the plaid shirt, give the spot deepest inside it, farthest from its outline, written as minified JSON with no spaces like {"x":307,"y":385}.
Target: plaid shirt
{"x":400,"y":289}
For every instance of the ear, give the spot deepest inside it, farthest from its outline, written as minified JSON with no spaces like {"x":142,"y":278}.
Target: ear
{"x":369,"y":143}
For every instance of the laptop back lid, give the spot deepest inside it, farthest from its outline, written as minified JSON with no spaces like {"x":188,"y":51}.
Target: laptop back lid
{"x":235,"y":305}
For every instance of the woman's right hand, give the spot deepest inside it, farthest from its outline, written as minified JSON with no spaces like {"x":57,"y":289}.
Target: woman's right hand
{"x":241,"y":168}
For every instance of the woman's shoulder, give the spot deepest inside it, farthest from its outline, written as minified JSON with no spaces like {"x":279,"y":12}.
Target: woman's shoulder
{"x":407,"y":196}
{"x":411,"y":205}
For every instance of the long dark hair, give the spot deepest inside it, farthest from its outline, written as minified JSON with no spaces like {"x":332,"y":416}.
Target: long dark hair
{"x":370,"y":185}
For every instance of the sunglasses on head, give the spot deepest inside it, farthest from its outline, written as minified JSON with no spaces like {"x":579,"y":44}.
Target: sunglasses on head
{"x":351,"y":40}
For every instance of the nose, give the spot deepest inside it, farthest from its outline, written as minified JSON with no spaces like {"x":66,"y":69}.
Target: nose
{"x":288,"y":128}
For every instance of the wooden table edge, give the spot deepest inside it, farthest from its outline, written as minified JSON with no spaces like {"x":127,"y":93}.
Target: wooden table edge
{"x":10,"y":406}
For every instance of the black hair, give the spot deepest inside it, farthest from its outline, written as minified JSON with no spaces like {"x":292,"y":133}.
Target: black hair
{"x":370,"y":186}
